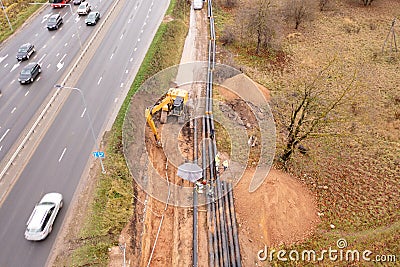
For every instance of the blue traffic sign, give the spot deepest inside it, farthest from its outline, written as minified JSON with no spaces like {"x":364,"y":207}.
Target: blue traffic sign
{"x":99,"y":154}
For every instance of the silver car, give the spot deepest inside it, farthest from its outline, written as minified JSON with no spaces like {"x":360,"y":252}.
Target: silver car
{"x":41,"y":221}
{"x":84,"y":9}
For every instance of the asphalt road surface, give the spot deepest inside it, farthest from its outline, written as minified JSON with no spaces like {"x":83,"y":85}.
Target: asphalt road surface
{"x":62,"y":155}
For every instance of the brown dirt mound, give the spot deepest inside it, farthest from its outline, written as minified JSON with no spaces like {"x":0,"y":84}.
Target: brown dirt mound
{"x":281,"y":211}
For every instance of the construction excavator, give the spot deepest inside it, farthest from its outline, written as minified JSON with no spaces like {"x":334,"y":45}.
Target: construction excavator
{"x":173,"y":103}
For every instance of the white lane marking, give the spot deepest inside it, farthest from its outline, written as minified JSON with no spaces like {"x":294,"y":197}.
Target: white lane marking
{"x":60,"y":64}
{"x":12,"y":111}
{"x":2,"y":58}
{"x":141,"y":31}
{"x":13,"y":81}
{"x":45,"y":17}
{"x":121,"y":37}
{"x":129,"y":21}
{"x":145,"y":23}
{"x":65,"y":44}
{"x":131,"y":59}
{"x":73,"y":35}
{"x":35,"y":56}
{"x":83,"y":113}
{"x":122,"y":84}
{"x":65,"y":14}
{"x":1,"y":147}
{"x":4,"y":135}
{"x":111,"y":56}
{"x":52,"y":37}
{"x":100,"y":80}
{"x":57,"y":54}
{"x":48,"y":66}
{"x":62,"y":154}
{"x":135,"y":49}
{"x":40,"y":60}
{"x":38,"y":79}
{"x":45,"y":46}
{"x":115,"y":100}
{"x":15,"y":66}
{"x":68,"y":20}
{"x":5,"y":66}
{"x":27,"y":92}
{"x":79,"y":27}
{"x":138,"y":40}
{"x":37,"y":34}
{"x":77,"y":18}
{"x":126,"y":71}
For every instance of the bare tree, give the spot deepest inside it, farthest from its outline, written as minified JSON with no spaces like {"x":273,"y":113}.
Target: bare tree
{"x":258,"y":21}
{"x":367,"y":2}
{"x":312,"y":107}
{"x":323,"y":4}
{"x":299,"y":10}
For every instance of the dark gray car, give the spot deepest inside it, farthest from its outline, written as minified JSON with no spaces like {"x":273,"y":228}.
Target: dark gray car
{"x":25,"y":51}
{"x":29,"y":73}
{"x":54,"y":22}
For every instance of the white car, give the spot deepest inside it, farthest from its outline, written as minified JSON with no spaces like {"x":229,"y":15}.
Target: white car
{"x":84,"y":9}
{"x":41,"y":221}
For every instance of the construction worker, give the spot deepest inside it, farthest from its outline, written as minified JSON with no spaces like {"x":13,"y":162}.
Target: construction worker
{"x":217,"y":162}
{"x":225,"y":164}
{"x":199,"y":187}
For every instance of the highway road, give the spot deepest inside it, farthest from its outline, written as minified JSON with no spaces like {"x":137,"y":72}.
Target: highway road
{"x":55,"y":50}
{"x":62,"y":156}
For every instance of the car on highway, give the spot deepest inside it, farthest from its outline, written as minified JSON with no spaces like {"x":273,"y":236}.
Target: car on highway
{"x":78,"y":2}
{"x":92,"y":18}
{"x":29,"y":72}
{"x":25,"y":51}
{"x":54,"y":22}
{"x":40,"y":223}
{"x":84,"y":9}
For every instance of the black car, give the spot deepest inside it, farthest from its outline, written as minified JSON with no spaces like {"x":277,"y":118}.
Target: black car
{"x":78,"y":2}
{"x":25,"y":51}
{"x":54,"y":22}
{"x":92,"y":18}
{"x":29,"y":73}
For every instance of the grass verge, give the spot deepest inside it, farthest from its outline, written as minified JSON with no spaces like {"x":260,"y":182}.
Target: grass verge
{"x":18,"y":12}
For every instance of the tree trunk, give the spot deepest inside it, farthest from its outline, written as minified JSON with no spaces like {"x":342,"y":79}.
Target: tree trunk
{"x":258,"y":41}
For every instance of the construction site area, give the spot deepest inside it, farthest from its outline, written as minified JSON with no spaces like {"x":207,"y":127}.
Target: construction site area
{"x":201,"y":158}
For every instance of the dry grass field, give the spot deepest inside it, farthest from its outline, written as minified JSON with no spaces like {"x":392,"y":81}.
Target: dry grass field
{"x":353,"y":166}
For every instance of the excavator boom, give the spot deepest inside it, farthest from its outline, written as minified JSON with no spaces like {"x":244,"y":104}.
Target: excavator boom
{"x":167,"y":105}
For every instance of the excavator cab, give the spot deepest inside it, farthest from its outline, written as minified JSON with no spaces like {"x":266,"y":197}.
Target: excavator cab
{"x":178,"y":106}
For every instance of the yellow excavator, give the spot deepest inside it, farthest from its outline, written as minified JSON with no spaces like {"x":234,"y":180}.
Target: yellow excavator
{"x":172,"y":103}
